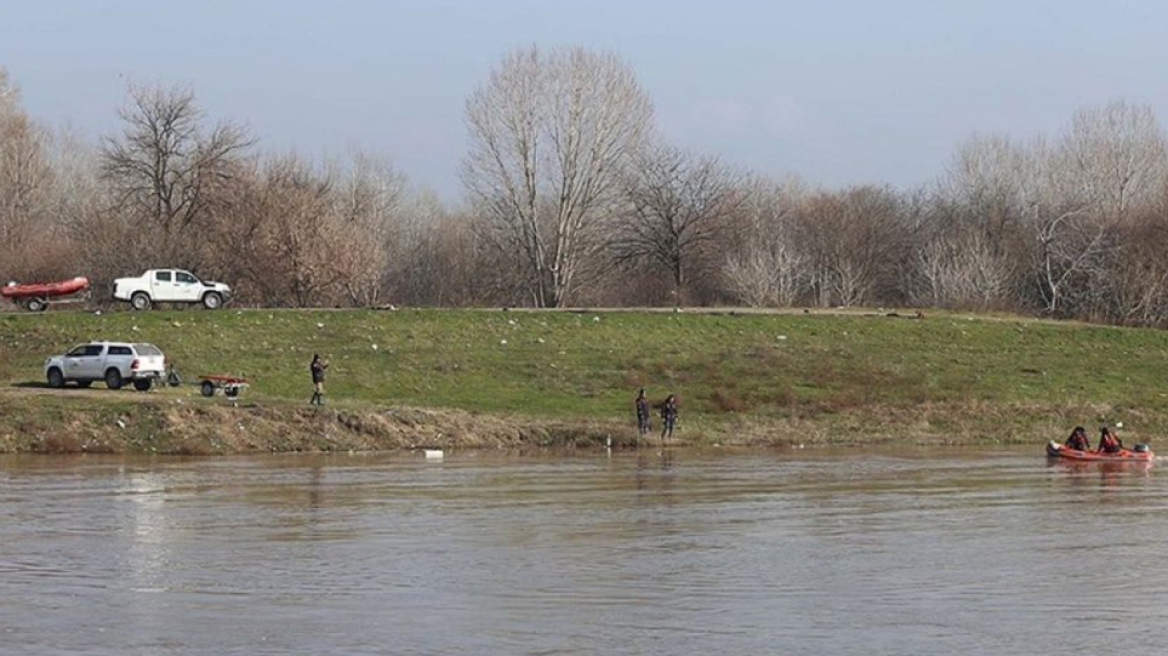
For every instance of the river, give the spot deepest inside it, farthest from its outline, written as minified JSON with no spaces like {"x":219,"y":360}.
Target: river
{"x":901,"y":551}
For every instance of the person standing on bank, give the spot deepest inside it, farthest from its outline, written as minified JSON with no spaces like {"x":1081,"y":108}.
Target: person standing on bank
{"x":642,"y":405}
{"x":317,"y":368}
{"x":668,"y":416}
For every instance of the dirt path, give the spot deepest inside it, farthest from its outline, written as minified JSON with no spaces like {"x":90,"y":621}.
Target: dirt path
{"x":28,"y":390}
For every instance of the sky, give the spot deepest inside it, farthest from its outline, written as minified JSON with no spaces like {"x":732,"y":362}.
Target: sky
{"x":837,"y":92}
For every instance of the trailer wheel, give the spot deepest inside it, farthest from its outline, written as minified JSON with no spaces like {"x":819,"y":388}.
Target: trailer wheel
{"x":140,"y":301}
{"x":35,"y":304}
{"x":207,"y":388}
{"x":142,"y":384}
{"x":231,"y":391}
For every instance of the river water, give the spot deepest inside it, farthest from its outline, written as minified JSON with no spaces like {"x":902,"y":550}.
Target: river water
{"x":956,"y":551}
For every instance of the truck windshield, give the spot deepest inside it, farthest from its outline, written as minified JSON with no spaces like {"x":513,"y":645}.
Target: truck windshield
{"x":147,"y":349}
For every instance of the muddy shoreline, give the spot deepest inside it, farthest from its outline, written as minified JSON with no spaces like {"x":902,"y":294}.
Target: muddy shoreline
{"x":85,"y":423}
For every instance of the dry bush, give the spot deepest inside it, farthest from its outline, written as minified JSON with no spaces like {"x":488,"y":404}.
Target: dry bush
{"x":724,"y":401}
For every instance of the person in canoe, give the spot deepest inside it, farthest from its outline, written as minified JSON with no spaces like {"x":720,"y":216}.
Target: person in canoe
{"x":1108,"y":441}
{"x":1078,"y":439}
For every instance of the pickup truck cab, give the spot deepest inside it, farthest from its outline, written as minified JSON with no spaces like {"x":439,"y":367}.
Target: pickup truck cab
{"x":170,"y":286}
{"x":113,"y":362}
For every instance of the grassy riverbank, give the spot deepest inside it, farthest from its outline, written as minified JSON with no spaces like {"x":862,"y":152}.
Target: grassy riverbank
{"x":469,"y":378}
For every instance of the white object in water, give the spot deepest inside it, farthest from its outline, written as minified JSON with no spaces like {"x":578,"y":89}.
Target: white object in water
{"x":433,"y":454}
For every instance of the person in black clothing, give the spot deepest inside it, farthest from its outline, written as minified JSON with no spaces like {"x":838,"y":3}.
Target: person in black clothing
{"x":317,"y":368}
{"x":642,"y":405}
{"x":1078,"y":439}
{"x":668,"y":416}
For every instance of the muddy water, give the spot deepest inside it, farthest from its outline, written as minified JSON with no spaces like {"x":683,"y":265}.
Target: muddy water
{"x":906,"y":552}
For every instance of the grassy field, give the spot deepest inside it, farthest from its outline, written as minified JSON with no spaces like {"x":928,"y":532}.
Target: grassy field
{"x":741,"y":377}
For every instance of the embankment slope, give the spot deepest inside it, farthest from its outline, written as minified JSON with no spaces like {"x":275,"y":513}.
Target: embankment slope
{"x":493,"y":379}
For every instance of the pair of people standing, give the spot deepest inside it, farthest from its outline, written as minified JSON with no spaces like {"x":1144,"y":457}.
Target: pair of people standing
{"x":668,"y":409}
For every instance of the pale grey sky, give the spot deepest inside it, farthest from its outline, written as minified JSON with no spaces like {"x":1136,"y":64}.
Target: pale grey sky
{"x":836,"y":91}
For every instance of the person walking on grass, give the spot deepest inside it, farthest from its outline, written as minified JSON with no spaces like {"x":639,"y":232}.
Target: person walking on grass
{"x":317,"y":368}
{"x":642,"y":405}
{"x":668,"y":416}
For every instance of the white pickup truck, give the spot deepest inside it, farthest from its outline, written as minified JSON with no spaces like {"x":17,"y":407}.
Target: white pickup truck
{"x":113,"y":362}
{"x":170,"y":286}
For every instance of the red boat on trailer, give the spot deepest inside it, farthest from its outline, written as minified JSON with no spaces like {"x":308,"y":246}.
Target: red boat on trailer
{"x":36,"y":296}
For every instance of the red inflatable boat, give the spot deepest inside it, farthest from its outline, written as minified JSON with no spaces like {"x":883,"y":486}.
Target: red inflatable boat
{"x":1140,"y":453}
{"x":36,"y":296}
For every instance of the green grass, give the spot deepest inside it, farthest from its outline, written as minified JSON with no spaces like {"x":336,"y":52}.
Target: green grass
{"x":587,"y":365}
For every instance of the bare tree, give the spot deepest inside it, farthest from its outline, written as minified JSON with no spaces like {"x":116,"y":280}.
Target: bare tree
{"x":165,"y":168}
{"x":1070,"y":242}
{"x":368,"y":195}
{"x":1043,"y":208}
{"x":766,"y":277}
{"x":767,"y":269}
{"x":290,"y":246}
{"x":549,"y":135}
{"x":31,"y":235}
{"x":1114,"y":158}
{"x":962,"y":270}
{"x":677,"y":204}
{"x":1137,"y":289}
{"x":992,"y":180}
{"x":854,"y":240}
{"x":439,"y":256}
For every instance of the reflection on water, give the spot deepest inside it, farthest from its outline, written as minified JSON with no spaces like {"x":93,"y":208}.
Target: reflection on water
{"x":681,"y":552}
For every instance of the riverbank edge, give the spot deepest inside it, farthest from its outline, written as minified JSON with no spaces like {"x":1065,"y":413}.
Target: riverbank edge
{"x":179,"y":427}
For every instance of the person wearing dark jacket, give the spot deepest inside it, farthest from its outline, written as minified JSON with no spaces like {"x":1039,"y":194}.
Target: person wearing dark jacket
{"x":669,"y":411}
{"x":642,"y":406}
{"x":317,"y":369}
{"x":1078,"y":439}
{"x":1108,"y":441}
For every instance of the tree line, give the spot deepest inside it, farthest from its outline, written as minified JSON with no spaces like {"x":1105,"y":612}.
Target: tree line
{"x":574,"y":198}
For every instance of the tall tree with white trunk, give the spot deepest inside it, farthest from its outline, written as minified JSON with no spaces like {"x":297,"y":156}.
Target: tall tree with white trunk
{"x":549,"y":135}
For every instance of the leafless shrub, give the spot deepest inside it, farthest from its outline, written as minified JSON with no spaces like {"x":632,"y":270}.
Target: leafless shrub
{"x":853,"y":240}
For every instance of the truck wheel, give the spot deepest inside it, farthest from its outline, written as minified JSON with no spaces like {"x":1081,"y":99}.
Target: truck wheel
{"x":56,"y":378}
{"x":212,"y":300}
{"x":142,"y":384}
{"x":207,"y":388}
{"x":113,"y":378}
{"x":140,"y":301}
{"x":35,"y":304}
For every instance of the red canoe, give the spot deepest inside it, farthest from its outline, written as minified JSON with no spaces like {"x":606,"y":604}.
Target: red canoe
{"x":1139,"y":454}
{"x":44,"y":289}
